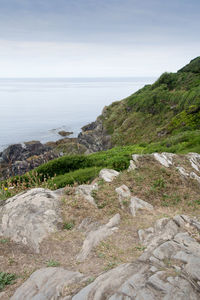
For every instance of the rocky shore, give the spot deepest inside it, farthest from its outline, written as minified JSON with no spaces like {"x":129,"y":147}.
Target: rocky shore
{"x":18,"y":159}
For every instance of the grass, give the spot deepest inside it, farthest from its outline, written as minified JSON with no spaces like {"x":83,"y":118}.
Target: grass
{"x":68,"y":225}
{"x":6,"y":279}
{"x":53,"y":263}
{"x":169,"y":106}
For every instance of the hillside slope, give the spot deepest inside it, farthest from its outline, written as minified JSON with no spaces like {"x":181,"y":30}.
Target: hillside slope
{"x":169,"y":106}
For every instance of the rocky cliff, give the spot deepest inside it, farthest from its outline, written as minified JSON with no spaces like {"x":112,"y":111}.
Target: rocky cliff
{"x":95,"y":137}
{"x":17,"y":159}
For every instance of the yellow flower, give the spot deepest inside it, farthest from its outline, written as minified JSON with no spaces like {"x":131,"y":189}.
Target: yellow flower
{"x":5,"y":189}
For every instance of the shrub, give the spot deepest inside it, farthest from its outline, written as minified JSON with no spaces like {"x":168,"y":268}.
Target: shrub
{"x":80,"y":176}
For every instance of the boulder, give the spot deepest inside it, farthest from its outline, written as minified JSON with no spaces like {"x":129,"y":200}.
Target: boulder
{"x":124,"y":194}
{"x":30,"y":217}
{"x":108,"y":175}
{"x":96,"y":236}
{"x":85,"y":190}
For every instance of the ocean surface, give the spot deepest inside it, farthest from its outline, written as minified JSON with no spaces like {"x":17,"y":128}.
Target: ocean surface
{"x":36,"y":109}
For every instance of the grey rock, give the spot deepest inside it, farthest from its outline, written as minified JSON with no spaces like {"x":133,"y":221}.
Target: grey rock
{"x":47,"y":284}
{"x":194,"y":159}
{"x":94,"y":137}
{"x":124,"y":194}
{"x":18,"y":159}
{"x":96,"y":236}
{"x":108,"y":175}
{"x":88,"y":225}
{"x":182,"y":171}
{"x":175,"y":264}
{"x":136,"y":203}
{"x":85,"y":190}
{"x":31,"y":216}
{"x":195,"y":176}
{"x":132,"y":166}
{"x":165,"y":159}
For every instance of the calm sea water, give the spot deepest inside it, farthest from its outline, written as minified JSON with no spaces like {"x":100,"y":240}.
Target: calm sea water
{"x":36,"y":109}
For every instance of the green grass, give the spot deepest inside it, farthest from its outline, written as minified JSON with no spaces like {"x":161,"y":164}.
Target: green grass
{"x":53,"y":263}
{"x":6,"y":279}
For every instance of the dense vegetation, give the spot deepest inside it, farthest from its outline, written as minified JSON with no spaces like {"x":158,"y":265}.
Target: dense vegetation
{"x":169,"y":106}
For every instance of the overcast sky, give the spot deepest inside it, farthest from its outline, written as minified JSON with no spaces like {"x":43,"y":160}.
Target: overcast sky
{"x":101,"y":38}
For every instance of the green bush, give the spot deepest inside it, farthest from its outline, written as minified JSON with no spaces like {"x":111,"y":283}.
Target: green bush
{"x":80,"y":176}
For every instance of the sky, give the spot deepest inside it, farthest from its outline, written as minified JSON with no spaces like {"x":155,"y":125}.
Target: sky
{"x":97,"y":38}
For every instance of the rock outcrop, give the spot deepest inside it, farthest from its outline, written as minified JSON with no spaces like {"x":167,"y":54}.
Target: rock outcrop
{"x":18,"y":159}
{"x":108,"y":175}
{"x":29,"y":217}
{"x":85,"y":190}
{"x":96,"y":236}
{"x":169,"y":268}
{"x":47,"y":283}
{"x":133,"y":203}
{"x":94,"y":137}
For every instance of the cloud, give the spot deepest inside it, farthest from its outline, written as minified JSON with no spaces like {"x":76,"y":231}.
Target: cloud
{"x":52,"y":59}
{"x":96,"y":38}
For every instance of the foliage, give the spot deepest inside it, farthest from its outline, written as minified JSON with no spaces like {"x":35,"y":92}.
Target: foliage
{"x":141,"y":116}
{"x":6,"y":279}
{"x":79,"y":176}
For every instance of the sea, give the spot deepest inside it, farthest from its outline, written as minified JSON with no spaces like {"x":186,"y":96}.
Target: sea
{"x":37,"y":109}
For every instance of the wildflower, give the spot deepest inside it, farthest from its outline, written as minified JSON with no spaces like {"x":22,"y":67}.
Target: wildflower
{"x":5,"y":189}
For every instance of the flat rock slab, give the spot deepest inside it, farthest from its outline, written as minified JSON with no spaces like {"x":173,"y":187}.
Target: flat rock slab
{"x":47,"y":284}
{"x":108,"y":175}
{"x":30,"y":217}
{"x":96,"y":236}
